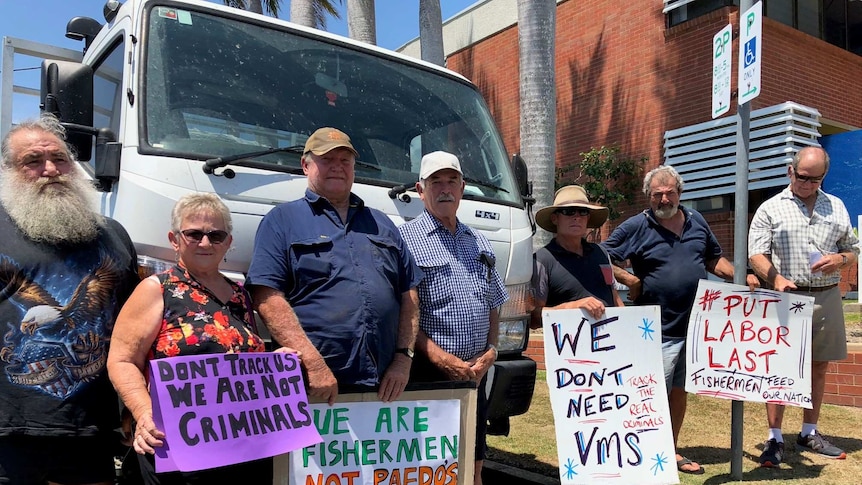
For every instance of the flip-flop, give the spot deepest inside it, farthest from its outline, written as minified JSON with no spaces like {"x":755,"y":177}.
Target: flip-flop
{"x":685,"y":461}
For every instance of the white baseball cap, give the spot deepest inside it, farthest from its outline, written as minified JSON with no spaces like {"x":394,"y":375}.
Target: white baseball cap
{"x":436,"y":161}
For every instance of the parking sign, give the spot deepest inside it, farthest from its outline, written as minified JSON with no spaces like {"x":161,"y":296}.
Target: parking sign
{"x":721,"y":47}
{"x":750,"y":50}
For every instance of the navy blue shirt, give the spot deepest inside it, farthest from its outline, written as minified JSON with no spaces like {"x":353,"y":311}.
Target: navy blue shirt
{"x":669,"y":266}
{"x":343,"y":280}
{"x":561,"y":276}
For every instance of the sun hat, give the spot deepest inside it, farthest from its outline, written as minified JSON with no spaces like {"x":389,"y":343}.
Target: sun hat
{"x":571,"y":196}
{"x":435,"y":161}
{"x":327,"y":139}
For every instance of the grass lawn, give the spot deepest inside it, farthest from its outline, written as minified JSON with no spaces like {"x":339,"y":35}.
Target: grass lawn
{"x":705,"y":438}
{"x":853,"y":323}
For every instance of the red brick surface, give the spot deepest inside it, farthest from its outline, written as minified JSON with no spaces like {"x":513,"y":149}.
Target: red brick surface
{"x":624,"y":78}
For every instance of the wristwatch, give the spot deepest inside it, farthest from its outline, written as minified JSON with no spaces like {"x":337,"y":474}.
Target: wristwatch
{"x":843,"y":260}
{"x":408,"y":352}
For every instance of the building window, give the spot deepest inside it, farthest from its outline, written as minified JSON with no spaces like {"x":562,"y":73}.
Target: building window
{"x":838,"y":22}
{"x":679,"y":11}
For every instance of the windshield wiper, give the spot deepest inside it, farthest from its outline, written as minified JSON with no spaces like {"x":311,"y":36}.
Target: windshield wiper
{"x":484,"y":184}
{"x":214,"y":163}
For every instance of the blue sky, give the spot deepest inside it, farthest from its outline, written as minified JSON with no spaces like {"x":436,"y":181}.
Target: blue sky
{"x":397,"y":23}
{"x":397,"y":20}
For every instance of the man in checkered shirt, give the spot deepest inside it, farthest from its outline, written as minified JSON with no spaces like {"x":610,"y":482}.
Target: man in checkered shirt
{"x":460,"y":292}
{"x":799,"y":241}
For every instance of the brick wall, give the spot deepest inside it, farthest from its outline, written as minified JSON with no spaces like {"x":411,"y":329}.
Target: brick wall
{"x":624,"y":78}
{"x":843,"y":380}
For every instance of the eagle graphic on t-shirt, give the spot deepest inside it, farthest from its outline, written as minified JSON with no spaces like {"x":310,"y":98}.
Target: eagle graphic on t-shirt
{"x":56,"y":346}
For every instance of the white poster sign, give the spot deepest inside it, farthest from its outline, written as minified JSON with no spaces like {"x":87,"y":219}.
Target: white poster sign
{"x":381,"y":443}
{"x":608,"y":396}
{"x":750,"y":345}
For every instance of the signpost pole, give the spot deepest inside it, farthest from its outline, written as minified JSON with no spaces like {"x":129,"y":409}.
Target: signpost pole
{"x":740,"y":228}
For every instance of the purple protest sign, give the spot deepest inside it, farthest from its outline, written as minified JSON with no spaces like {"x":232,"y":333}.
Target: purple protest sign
{"x":229,"y":408}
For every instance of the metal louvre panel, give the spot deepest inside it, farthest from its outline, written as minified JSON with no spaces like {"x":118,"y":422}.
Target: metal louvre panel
{"x":705,"y":153}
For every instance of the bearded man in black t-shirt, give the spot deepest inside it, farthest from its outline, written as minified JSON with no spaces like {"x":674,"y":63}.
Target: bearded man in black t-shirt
{"x":64,"y":273}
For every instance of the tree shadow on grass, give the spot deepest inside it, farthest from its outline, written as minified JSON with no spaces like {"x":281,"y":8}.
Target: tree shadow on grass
{"x":797,"y":464}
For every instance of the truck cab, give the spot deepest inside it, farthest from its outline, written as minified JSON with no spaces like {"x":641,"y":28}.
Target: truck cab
{"x":172,"y":97}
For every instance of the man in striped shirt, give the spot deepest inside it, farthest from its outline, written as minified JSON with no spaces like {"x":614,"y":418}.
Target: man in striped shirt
{"x":799,"y":241}
{"x":460,"y":292}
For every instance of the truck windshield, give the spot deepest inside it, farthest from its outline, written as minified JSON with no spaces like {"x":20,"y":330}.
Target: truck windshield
{"x":219,"y":86}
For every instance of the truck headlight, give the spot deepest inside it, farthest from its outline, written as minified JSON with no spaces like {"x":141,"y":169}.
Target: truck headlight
{"x":515,"y":320}
{"x":513,"y":336}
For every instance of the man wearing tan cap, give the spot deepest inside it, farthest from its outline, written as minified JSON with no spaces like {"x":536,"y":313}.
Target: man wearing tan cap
{"x":570,"y":272}
{"x":333,"y":279}
{"x":460,"y":292}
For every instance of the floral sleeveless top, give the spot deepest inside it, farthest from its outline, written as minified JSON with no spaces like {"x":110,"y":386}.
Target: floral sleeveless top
{"x":196,"y":322}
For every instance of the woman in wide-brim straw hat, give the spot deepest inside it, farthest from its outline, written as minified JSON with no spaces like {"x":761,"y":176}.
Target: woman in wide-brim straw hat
{"x":570,"y":272}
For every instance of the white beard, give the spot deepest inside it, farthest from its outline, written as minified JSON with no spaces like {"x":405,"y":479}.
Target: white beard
{"x":666,"y":212}
{"x":51,"y":213}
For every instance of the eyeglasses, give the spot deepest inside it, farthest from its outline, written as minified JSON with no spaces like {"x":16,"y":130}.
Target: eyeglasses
{"x":573,"y":211}
{"x":196,"y":236}
{"x":805,"y":178}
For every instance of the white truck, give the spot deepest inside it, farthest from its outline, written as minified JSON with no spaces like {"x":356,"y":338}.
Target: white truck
{"x":178,"y":96}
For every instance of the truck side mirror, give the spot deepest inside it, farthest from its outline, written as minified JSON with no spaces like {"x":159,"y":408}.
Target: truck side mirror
{"x":67,"y":92}
{"x":107,"y":170}
{"x":525,"y":187}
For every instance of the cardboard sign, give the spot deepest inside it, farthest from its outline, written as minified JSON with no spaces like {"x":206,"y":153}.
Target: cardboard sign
{"x":402,"y":442}
{"x":222,"y":409}
{"x":608,"y":396}
{"x":750,"y":346}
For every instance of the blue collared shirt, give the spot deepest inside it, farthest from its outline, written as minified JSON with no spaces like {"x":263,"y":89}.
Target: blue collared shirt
{"x":344,"y":280}
{"x":459,"y":287}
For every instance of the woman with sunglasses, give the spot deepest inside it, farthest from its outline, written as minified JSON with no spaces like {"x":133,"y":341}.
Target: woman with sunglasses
{"x":570,"y":272}
{"x":155,"y":323}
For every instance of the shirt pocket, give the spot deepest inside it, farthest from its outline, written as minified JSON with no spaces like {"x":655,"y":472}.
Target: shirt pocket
{"x":311,"y":261}
{"x":386,"y":257}
{"x":437,"y":288}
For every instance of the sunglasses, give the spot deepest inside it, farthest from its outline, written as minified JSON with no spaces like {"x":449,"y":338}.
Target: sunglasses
{"x":196,"y":235}
{"x":573,"y":211}
{"x":805,"y":178}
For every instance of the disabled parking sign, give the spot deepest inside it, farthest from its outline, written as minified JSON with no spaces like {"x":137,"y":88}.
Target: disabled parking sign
{"x":750,"y":35}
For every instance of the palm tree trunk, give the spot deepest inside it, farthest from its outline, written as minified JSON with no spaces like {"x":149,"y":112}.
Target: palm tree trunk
{"x":255,"y":6}
{"x":361,"y":24}
{"x":536,"y":31}
{"x":431,"y":32}
{"x":302,"y":13}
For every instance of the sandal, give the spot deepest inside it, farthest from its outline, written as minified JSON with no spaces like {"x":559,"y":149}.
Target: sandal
{"x":685,"y":461}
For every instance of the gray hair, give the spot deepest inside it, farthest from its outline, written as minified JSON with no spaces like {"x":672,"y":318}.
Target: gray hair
{"x":662,"y":172}
{"x":197,"y":202}
{"x":798,"y":155}
{"x":46,"y":122}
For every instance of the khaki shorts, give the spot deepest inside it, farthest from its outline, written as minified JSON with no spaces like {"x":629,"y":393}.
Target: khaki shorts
{"x":828,"y":337}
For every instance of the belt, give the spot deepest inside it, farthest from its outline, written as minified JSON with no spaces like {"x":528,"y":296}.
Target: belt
{"x":814,"y":289}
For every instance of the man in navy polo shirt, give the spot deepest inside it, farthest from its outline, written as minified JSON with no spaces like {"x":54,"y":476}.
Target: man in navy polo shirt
{"x":670,"y":249}
{"x":333,"y":279}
